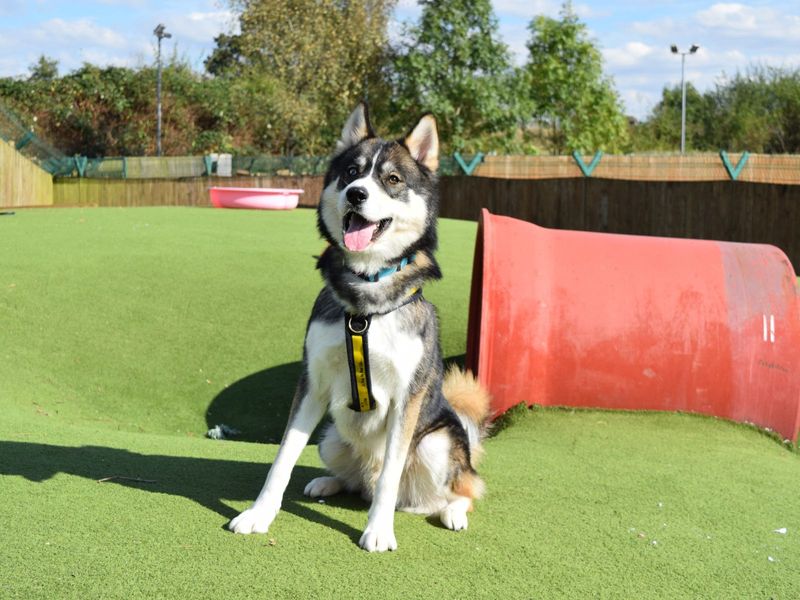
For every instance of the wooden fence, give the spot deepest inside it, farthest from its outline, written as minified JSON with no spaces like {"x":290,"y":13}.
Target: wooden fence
{"x":170,"y":192}
{"x":723,"y":210}
{"x":761,"y":168}
{"x":22,"y":182}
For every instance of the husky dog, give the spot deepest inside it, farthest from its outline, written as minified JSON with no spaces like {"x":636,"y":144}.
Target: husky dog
{"x":404,"y":434}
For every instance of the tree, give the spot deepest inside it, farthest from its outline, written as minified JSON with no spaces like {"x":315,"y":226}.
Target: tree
{"x":455,"y":66}
{"x":44,"y":69}
{"x":662,"y":130}
{"x":758,"y":110}
{"x":575,"y":104}
{"x":227,"y":57}
{"x":312,"y":61}
{"x":109,"y":111}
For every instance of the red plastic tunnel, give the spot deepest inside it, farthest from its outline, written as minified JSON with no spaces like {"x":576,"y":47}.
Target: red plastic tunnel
{"x":570,"y":318}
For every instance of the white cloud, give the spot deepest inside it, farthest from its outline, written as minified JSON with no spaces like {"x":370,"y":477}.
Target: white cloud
{"x":100,"y":57}
{"x":630,"y":55}
{"x":203,"y":26}
{"x":585,"y":11}
{"x":726,"y":20}
{"x":11,"y":7}
{"x":526,"y":9}
{"x":738,"y":20}
{"x":128,"y":3}
{"x":655,"y":28}
{"x":736,"y":17}
{"x":12,"y":66}
{"x":82,"y":32}
{"x":639,"y":103}
{"x":515,"y":35}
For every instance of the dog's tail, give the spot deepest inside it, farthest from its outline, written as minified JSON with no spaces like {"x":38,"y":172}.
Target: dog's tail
{"x":471,"y":402}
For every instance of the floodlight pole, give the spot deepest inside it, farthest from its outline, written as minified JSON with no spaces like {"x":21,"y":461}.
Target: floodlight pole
{"x":160,"y":33}
{"x":675,"y":50}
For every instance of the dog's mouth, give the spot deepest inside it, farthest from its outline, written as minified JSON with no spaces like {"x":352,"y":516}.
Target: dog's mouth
{"x":359,"y":233}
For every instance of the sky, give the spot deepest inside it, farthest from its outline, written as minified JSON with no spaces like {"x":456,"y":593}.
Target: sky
{"x":633,"y":37}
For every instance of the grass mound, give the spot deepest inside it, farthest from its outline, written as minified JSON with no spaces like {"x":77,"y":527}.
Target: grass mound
{"x":125,"y":334}
{"x":173,"y":320}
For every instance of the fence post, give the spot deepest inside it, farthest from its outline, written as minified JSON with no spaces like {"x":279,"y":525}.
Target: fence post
{"x":208,"y":163}
{"x":587,"y":170}
{"x":468,"y":168}
{"x":80,"y":164}
{"x":734,"y":172}
{"x":124,"y":167}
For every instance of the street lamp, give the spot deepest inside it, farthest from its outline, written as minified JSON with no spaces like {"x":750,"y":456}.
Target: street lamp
{"x":160,"y":33}
{"x":694,"y":48}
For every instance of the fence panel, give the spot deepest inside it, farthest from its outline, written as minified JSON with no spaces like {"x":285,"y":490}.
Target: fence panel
{"x":722,"y":209}
{"x":761,"y":168}
{"x":170,"y":192}
{"x":22,"y":182}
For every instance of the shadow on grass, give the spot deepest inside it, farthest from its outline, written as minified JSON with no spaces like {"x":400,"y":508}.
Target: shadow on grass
{"x":258,"y":405}
{"x":202,"y":480}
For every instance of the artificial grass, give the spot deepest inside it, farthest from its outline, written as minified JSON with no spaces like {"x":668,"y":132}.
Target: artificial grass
{"x":107,"y":318}
{"x":173,"y":320}
{"x":580,"y":504}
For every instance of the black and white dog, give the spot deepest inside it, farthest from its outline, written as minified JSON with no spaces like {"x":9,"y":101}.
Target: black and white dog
{"x":404,"y":434}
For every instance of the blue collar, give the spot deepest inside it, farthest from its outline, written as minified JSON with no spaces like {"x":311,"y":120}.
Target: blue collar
{"x":383,"y":273}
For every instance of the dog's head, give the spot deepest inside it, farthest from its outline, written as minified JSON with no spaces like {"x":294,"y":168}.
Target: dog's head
{"x":380,"y":201}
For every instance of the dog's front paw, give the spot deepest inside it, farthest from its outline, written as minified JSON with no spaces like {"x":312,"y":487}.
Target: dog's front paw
{"x":378,"y":539}
{"x":322,"y":487}
{"x":255,"y":519}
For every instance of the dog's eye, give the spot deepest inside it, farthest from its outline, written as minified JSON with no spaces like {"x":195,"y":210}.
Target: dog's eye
{"x":394,"y":179}
{"x":352,"y":171}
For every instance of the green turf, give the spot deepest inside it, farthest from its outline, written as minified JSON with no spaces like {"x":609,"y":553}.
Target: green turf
{"x":120,"y":330}
{"x":150,"y":319}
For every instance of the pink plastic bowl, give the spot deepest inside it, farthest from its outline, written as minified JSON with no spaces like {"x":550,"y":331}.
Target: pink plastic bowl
{"x":258,"y":198}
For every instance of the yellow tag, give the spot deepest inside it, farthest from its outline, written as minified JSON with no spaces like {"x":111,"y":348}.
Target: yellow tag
{"x":360,"y":372}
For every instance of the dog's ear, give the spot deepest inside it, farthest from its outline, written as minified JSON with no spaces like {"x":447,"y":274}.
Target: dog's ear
{"x":423,"y":142}
{"x":356,"y":128}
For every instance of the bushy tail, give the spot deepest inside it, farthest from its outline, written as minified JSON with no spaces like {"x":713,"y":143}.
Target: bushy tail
{"x":471,"y":402}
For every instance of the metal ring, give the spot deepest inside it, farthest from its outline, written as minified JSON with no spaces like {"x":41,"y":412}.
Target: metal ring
{"x":358,"y":331}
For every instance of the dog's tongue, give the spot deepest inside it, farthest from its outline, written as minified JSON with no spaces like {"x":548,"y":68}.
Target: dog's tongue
{"x":359,"y":233}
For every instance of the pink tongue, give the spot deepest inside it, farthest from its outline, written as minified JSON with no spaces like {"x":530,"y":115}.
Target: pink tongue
{"x":359,"y":234}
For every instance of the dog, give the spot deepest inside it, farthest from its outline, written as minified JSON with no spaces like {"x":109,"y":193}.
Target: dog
{"x":404,"y":434}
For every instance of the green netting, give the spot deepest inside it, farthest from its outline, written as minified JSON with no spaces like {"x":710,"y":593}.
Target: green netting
{"x":166,"y":167}
{"x":449,"y":166}
{"x":280,"y":165}
{"x":307,"y":165}
{"x":30,"y":145}
{"x":109,"y":168}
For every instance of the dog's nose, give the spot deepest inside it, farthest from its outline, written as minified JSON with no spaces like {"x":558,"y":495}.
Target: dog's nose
{"x":357,"y":195}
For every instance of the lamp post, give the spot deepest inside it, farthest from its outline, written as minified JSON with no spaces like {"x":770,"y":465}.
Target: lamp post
{"x":160,"y":33}
{"x":694,"y":48}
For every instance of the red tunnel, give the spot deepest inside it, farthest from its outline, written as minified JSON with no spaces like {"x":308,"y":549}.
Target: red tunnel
{"x":570,"y":318}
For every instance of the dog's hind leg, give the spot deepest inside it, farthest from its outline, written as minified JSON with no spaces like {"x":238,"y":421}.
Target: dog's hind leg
{"x":322,"y":487}
{"x":454,"y":515}
{"x":466,"y":486}
{"x":341,"y":461}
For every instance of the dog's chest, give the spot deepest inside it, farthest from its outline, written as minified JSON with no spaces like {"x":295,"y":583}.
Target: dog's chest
{"x":393,"y":354}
